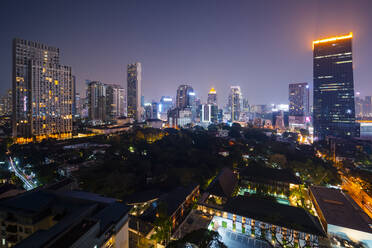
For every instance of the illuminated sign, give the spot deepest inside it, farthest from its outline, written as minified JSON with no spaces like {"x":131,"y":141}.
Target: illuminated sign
{"x":191,"y":93}
{"x":167,"y":99}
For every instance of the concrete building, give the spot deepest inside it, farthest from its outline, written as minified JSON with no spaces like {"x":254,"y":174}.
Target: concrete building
{"x":42,"y":92}
{"x":134,"y":79}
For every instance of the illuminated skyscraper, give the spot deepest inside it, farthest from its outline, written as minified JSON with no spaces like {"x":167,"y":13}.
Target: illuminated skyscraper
{"x":134,"y":78}
{"x":42,"y":91}
{"x":298,"y":99}
{"x":234,"y":103}
{"x":212,"y":97}
{"x":334,"y":109}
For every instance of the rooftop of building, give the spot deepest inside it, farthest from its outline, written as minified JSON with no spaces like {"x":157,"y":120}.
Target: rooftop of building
{"x":262,"y":173}
{"x":70,"y":209}
{"x":106,"y":127}
{"x":143,"y":196}
{"x":270,"y":211}
{"x":340,"y":210}
{"x":224,"y":184}
{"x":172,"y":201}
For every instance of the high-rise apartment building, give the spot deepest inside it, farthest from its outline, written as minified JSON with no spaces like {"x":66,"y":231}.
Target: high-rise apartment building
{"x":234,"y":103}
{"x":134,"y":78}
{"x":334,"y":107}
{"x":96,"y":94}
{"x":115,"y":101}
{"x":42,"y":92}
{"x":299,"y":99}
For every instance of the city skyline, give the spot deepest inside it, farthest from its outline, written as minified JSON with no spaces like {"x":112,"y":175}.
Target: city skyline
{"x":177,"y":48}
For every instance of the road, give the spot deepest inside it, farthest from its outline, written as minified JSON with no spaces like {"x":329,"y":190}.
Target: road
{"x":358,"y":195}
{"x":28,"y":185}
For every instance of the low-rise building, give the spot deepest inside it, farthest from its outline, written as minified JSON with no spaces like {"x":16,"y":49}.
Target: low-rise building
{"x":45,"y":218}
{"x":177,"y":203}
{"x":265,"y":219}
{"x":278,"y":181}
{"x":344,"y":221}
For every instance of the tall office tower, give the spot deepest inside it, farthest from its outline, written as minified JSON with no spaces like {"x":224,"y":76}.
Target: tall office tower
{"x":212,"y":97}
{"x":299,"y":99}
{"x":185,"y":96}
{"x":96,"y":94}
{"x":134,"y":78}
{"x":115,"y":101}
{"x":42,"y":91}
{"x":334,"y":107}
{"x":235,"y":103}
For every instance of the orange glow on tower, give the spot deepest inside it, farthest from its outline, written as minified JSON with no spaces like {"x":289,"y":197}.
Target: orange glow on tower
{"x":348,"y":36}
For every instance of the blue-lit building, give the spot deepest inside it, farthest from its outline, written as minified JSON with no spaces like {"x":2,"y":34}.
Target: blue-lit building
{"x":334,"y":109}
{"x":166,"y":103}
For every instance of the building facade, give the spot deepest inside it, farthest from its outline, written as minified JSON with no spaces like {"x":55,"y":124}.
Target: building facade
{"x":299,"y":99}
{"x":115,"y":102}
{"x":6,"y":103}
{"x":212,"y":97}
{"x":334,"y":107}
{"x":185,"y":96}
{"x":96,"y":94}
{"x":234,"y":103}
{"x":166,"y":104}
{"x":134,"y":79}
{"x":42,"y":92}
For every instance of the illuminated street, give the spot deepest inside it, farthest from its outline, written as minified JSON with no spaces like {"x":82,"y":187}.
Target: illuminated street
{"x":27,"y":184}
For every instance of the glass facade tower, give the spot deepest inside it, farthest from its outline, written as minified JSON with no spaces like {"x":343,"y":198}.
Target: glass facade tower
{"x":334,"y":109}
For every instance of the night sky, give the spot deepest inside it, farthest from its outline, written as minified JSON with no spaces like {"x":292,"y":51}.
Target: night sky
{"x":260,"y":45}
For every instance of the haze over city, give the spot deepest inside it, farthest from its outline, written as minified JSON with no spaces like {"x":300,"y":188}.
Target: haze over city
{"x":260,"y":45}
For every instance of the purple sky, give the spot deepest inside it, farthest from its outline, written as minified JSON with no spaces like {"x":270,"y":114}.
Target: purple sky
{"x":260,"y":45}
